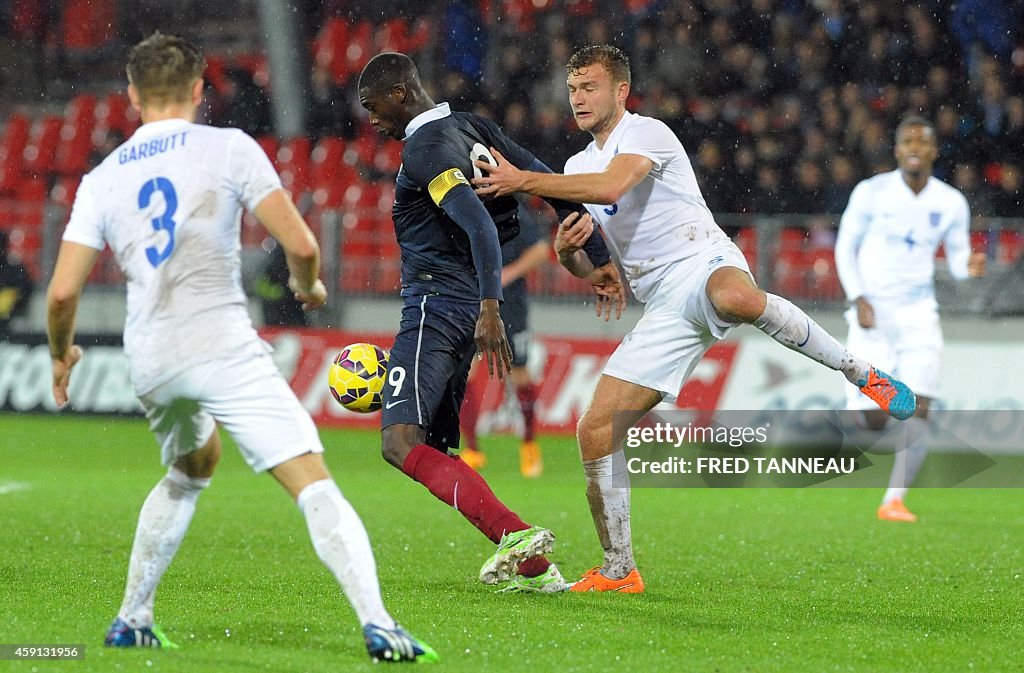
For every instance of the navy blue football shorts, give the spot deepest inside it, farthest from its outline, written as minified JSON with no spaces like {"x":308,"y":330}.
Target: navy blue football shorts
{"x":429,"y":365}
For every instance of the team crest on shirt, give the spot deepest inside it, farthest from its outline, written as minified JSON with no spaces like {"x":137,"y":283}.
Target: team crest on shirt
{"x":934,"y":219}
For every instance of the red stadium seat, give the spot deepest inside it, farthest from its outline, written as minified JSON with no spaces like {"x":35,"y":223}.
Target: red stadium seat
{"x":359,"y":48}
{"x":32,"y":190}
{"x":88,"y":24}
{"x":980,"y":241}
{"x":1011,"y":245}
{"x":329,"y":47}
{"x":12,"y":152}
{"x":270,"y":147}
{"x":746,"y":241}
{"x":822,"y":279}
{"x":41,"y":148}
{"x":112,"y":113}
{"x":330,"y":195}
{"x":362,"y":150}
{"x":16,"y":134}
{"x":63,"y":193}
{"x":326,"y":161}
{"x":388,"y":158}
{"x":293,"y":161}
{"x":72,"y":156}
{"x":792,"y":238}
{"x":789,"y":273}
{"x":420,"y":36}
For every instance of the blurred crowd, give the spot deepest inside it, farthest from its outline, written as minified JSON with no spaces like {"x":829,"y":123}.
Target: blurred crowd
{"x":783,"y":105}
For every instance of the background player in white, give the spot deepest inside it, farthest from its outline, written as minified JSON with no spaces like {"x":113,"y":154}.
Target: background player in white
{"x":168,"y":202}
{"x":885,"y":255}
{"x":637,"y":183}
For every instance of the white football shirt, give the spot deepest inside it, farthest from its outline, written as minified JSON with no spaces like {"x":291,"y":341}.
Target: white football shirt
{"x":664,"y":218}
{"x":888,"y":237}
{"x":168,"y":202}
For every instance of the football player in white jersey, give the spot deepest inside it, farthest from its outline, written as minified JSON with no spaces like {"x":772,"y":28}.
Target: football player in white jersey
{"x":885,"y":255}
{"x":168,"y":203}
{"x":638,"y":185}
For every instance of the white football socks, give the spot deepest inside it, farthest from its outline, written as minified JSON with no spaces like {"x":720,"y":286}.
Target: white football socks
{"x":341,"y":543}
{"x":164,"y":518}
{"x":908,"y":458}
{"x":794,"y":329}
{"x":609,"y":505}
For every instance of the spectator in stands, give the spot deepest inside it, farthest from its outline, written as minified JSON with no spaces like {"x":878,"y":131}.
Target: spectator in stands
{"x":249,"y":105}
{"x":15,"y":288}
{"x":329,"y":112}
{"x":1008,"y":198}
{"x":842,"y":180}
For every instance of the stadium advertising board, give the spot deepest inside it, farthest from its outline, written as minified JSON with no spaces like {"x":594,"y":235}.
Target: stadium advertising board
{"x":100,"y":383}
{"x":750,"y":374}
{"x":566,"y":370}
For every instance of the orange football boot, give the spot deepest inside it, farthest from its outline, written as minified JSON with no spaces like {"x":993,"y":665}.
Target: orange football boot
{"x":475,"y":459}
{"x":593,"y":580}
{"x":531,"y":465}
{"x":892,"y":395}
{"x":895,"y":510}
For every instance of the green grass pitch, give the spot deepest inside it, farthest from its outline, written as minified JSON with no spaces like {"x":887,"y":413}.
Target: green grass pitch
{"x":737,"y":580}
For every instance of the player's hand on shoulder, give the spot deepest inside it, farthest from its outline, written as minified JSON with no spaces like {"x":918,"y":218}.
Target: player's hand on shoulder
{"x":313,"y":298}
{"x":62,"y":374}
{"x":497,"y":180}
{"x":976,"y":264}
{"x":573,"y":232}
{"x":865,"y":313}
{"x":608,"y":290}
{"x":491,"y":342}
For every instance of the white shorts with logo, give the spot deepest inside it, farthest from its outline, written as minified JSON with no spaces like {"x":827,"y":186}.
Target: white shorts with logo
{"x":678,"y":326}
{"x":247,"y":396}
{"x":905,"y":342}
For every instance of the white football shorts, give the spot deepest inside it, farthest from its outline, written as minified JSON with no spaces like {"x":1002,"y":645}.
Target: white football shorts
{"x":678,"y":326}
{"x":906,"y":342}
{"x":245,"y":395}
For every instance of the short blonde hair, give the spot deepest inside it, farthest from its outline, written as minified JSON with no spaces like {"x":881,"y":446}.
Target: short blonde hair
{"x":164,"y":67}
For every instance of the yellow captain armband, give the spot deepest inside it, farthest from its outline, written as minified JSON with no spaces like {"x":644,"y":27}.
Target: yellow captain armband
{"x":444,"y":183}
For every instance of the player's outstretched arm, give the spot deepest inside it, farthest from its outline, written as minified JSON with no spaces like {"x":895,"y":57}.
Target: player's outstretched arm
{"x":624,"y":172}
{"x":74,"y":263}
{"x":278,"y":214}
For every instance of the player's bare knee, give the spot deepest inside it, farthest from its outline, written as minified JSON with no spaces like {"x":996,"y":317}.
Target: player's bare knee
{"x":742,"y":302}
{"x":201,"y":463}
{"x":593,"y":434}
{"x":395,"y":445}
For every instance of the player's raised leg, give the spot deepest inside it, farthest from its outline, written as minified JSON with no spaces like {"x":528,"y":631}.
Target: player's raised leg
{"x":343,"y":546}
{"x":608,"y":491}
{"x":163,"y":521}
{"x":735,"y":297}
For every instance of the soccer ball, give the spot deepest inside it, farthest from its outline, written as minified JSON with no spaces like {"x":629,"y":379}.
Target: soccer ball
{"x":357,"y":377}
